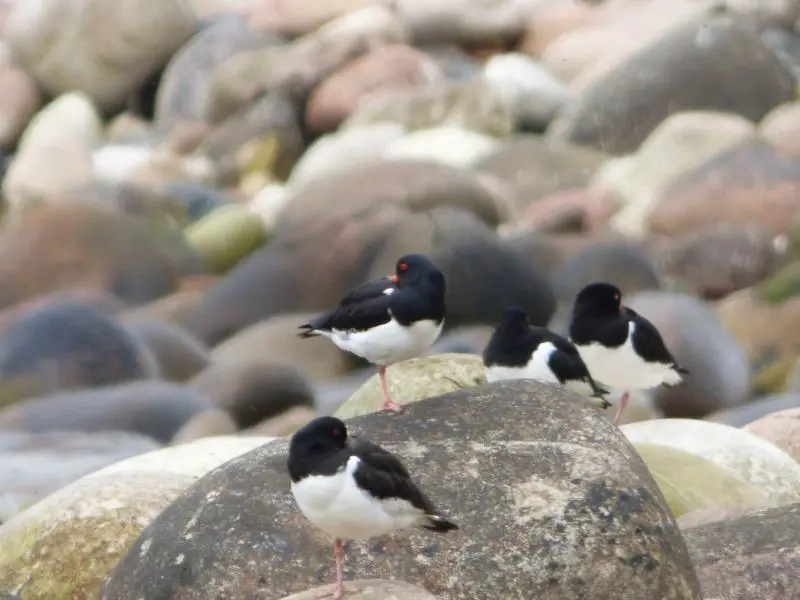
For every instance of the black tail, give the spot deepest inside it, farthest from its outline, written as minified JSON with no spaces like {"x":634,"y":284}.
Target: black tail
{"x":438,"y":523}
{"x":309,"y":331}
{"x":598,"y":391}
{"x":680,"y":369}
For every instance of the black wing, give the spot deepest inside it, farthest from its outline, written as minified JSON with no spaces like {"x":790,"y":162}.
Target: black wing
{"x":648,"y":343}
{"x":366,"y":306}
{"x":560,"y":342}
{"x":384,"y":476}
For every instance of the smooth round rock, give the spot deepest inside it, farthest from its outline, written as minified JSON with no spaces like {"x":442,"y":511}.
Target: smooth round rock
{"x":511,"y":453}
{"x":65,"y":345}
{"x":209,"y":423}
{"x":64,"y":546}
{"x":752,"y":556}
{"x":416,"y":379}
{"x":691,"y":483}
{"x":773,"y":472}
{"x":719,"y":371}
{"x":153,"y":408}
{"x":252,"y":390}
{"x":180,"y":356}
{"x":781,"y":428}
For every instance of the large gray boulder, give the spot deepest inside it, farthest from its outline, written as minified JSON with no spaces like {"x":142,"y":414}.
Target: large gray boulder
{"x":752,"y":556}
{"x":552,"y":501}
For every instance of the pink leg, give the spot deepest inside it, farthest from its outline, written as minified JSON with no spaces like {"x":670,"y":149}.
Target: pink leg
{"x":387,"y":403}
{"x":338,"y":590}
{"x":623,"y":403}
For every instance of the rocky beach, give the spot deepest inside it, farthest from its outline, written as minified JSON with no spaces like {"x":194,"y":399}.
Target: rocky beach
{"x":185,"y":182}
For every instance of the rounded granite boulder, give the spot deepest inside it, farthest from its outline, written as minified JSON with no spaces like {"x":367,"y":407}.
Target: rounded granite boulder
{"x":65,"y":545}
{"x":551,"y":500}
{"x":416,"y":379}
{"x":751,"y":556}
{"x":766,"y":475}
{"x":371,"y":589}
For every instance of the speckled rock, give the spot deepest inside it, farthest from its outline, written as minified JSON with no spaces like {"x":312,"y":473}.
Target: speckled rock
{"x":748,"y":458}
{"x":64,"y":546}
{"x":473,"y":451}
{"x":371,"y":589}
{"x":417,"y":379}
{"x":752,"y":556}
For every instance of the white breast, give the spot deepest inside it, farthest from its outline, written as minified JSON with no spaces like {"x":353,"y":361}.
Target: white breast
{"x":622,"y":368}
{"x":537,"y":367}
{"x":389,"y":343}
{"x":340,"y":508}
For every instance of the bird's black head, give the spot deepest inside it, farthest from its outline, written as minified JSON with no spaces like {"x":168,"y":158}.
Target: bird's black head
{"x":515,"y":316}
{"x":317,"y":439}
{"x":418,"y":270}
{"x":598,"y":300}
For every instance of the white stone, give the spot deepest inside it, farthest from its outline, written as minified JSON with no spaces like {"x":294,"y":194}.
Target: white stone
{"x":344,"y":150}
{"x":746,"y":456}
{"x":447,"y":145}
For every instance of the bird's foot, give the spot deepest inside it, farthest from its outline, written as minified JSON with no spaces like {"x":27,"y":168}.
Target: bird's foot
{"x":392,"y":406}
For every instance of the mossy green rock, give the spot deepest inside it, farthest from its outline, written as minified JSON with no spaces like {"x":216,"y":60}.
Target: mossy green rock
{"x":226,"y":235}
{"x":65,"y":545}
{"x":782,"y":285}
{"x":690,"y":483}
{"x":416,"y":379}
{"x":761,"y":469}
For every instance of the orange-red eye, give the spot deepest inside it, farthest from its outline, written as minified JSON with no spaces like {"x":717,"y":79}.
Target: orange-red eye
{"x":402,"y":267}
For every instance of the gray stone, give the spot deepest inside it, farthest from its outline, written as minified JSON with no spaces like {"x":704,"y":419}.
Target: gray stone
{"x":551,"y":500}
{"x":753,"y":556}
{"x":704,"y":64}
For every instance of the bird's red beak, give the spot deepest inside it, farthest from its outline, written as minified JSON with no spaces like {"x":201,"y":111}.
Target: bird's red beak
{"x":393,"y":278}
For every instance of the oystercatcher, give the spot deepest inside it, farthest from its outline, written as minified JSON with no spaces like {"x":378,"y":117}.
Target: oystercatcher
{"x":518,"y":350}
{"x":354,"y":489}
{"x":389,"y":320}
{"x":621,"y":348}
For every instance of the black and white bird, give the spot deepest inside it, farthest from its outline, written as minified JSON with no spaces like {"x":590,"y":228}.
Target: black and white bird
{"x":388,"y":320}
{"x":518,"y":350}
{"x":621,"y":348}
{"x":353,"y":489}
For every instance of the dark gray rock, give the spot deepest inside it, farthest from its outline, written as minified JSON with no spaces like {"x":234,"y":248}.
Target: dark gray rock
{"x":709,"y":63}
{"x":180,"y":356}
{"x":483,"y":275}
{"x":552,"y":501}
{"x":253,"y":390}
{"x":154,"y":408}
{"x":753,"y":556}
{"x":67,"y":345}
